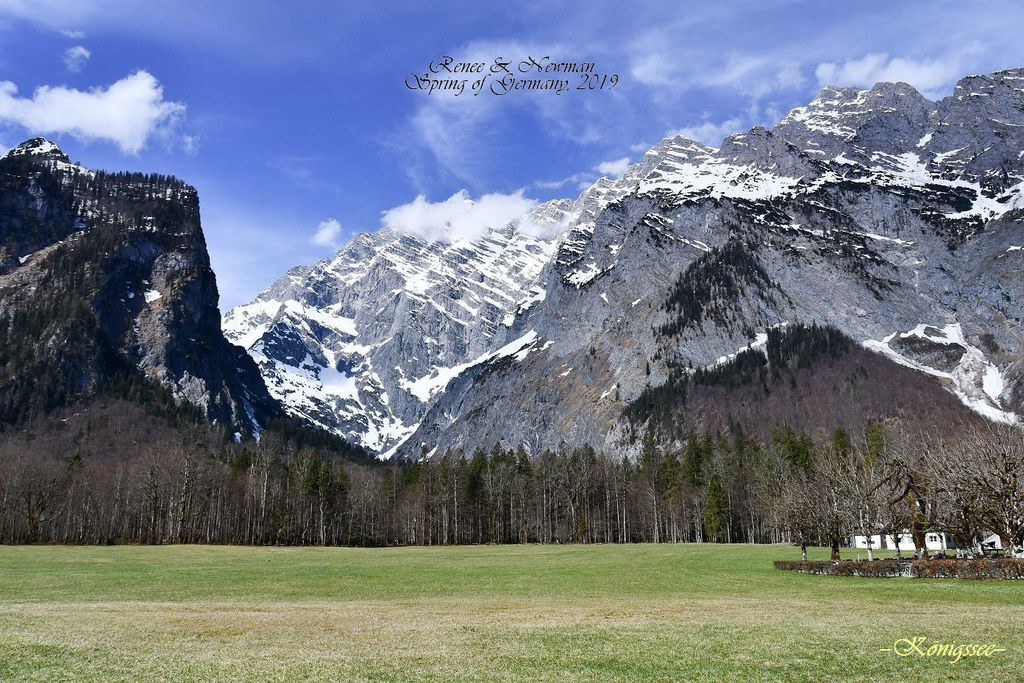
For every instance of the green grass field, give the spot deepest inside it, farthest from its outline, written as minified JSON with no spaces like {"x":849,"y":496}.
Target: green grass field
{"x":670,"y":612}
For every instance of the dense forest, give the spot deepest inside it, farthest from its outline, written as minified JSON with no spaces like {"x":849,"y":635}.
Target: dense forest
{"x":808,"y":376}
{"x":112,"y":473}
{"x":786,"y":350}
{"x":711,"y":287}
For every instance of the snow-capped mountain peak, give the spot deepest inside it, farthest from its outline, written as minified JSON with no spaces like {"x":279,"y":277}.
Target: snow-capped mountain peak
{"x":38,"y":147}
{"x":362,"y":342}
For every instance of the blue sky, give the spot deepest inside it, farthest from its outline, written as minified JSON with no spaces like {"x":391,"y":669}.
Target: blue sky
{"x":294,"y":122}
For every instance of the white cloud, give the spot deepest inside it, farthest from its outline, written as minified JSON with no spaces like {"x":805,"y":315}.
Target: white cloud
{"x":76,"y":57}
{"x":73,"y":35}
{"x":127,"y":113}
{"x":933,"y":77}
{"x":327,"y":233}
{"x":613,"y":168}
{"x":458,"y":217}
{"x":708,"y":132}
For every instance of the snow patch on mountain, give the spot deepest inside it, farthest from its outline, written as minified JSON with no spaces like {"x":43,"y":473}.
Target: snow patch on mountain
{"x":760,"y":343}
{"x":975,"y":380}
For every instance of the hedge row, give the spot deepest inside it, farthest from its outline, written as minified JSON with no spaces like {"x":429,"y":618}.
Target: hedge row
{"x":1005,"y":568}
{"x":847,"y":567}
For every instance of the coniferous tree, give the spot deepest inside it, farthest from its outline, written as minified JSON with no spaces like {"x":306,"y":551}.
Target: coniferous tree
{"x":716,"y":514}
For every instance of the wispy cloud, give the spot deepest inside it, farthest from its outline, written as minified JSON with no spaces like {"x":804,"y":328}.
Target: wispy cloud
{"x":709,"y":132}
{"x":76,"y":57}
{"x":656,"y":64}
{"x":584,"y":179}
{"x":932,"y":76}
{"x":579,"y":180}
{"x":456,"y":128}
{"x":453,"y":132}
{"x":57,"y":14}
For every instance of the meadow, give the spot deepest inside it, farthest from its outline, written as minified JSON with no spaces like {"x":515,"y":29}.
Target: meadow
{"x":561,"y":613}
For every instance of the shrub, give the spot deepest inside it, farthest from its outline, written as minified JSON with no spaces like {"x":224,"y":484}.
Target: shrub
{"x":1006,"y":568}
{"x":876,"y":568}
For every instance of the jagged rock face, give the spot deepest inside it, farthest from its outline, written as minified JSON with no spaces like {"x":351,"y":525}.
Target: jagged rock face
{"x":105,"y":278}
{"x":892,"y":218}
{"x":362,"y":343}
{"x":878,"y":212}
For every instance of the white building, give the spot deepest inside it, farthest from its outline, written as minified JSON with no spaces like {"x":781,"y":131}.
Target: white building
{"x":992,"y":542}
{"x":933,"y":541}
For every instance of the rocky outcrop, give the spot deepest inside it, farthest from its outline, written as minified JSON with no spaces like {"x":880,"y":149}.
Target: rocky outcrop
{"x":105,"y":284}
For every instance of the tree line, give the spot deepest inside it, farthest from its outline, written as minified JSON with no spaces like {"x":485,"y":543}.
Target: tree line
{"x":192,"y":486}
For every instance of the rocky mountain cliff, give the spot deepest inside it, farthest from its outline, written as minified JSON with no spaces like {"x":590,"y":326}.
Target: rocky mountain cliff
{"x":362,"y":343}
{"x":106,"y":287}
{"x":895,"y":220}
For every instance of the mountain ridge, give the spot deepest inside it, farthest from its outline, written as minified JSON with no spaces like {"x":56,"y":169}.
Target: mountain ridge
{"x":876,"y":211}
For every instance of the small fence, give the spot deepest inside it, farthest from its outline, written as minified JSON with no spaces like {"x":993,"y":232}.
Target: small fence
{"x":1003,"y":568}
